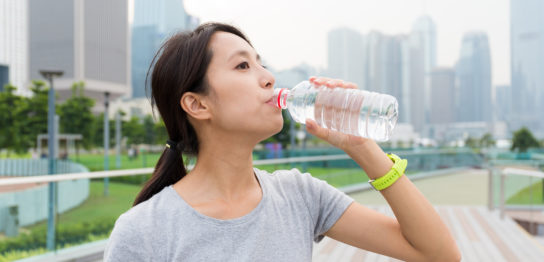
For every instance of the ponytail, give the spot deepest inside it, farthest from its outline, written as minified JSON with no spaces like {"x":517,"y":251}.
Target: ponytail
{"x":169,"y":170}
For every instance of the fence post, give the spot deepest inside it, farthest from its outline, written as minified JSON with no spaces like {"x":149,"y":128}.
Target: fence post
{"x":491,"y":196}
{"x":503,"y":177}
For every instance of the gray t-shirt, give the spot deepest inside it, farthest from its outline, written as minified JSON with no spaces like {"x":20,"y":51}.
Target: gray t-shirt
{"x":295,"y":210}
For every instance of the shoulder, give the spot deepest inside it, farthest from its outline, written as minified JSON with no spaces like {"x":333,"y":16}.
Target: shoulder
{"x":144,"y":217}
{"x":146,"y":211}
{"x":289,"y":180}
{"x":132,"y":235}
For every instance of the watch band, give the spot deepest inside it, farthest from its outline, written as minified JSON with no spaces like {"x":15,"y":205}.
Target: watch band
{"x":393,"y":175}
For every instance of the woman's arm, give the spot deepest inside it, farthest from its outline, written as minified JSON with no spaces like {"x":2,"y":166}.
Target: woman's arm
{"x":418,"y":233}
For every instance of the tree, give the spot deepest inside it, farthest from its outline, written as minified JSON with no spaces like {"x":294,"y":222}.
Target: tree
{"x":133,"y":130}
{"x":34,"y":115}
{"x":10,"y":120}
{"x":523,"y":139}
{"x":150,"y":137}
{"x":471,"y":142}
{"x":98,"y":131}
{"x":160,"y":130}
{"x":487,"y":140}
{"x":75,"y":114}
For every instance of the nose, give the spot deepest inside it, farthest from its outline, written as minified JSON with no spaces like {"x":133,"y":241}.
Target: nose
{"x":267,"y":79}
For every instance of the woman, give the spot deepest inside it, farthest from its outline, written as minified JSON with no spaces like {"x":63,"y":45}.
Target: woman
{"x":215,"y":98}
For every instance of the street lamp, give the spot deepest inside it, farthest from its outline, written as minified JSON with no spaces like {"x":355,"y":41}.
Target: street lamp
{"x":106,"y":141}
{"x":51,"y":141}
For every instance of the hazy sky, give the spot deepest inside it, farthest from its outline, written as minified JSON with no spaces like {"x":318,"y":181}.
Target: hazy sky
{"x":289,"y":32}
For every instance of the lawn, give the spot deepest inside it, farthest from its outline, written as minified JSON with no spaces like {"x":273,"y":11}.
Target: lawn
{"x":524,"y":197}
{"x":337,"y":177}
{"x":98,"y":206}
{"x":96,"y":162}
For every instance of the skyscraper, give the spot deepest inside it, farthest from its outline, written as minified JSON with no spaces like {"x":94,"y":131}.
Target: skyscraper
{"x":154,"y":21}
{"x":473,"y":72}
{"x":346,"y":55}
{"x":13,"y":43}
{"x":503,"y":103}
{"x":527,"y":64}
{"x":386,"y":68}
{"x":88,"y":40}
{"x":422,"y":62}
{"x":442,"y":96}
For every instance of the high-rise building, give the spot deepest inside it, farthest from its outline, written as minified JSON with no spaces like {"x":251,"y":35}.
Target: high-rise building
{"x":13,"y":44}
{"x":346,"y":55}
{"x":422,"y":62}
{"x":442,"y":96}
{"x":153,"y":22}
{"x":503,"y":103}
{"x":527,"y":63}
{"x":473,"y":72}
{"x":386,"y":68}
{"x":87,"y":40}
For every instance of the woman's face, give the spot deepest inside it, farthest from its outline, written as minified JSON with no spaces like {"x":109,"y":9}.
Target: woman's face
{"x":241,"y":89}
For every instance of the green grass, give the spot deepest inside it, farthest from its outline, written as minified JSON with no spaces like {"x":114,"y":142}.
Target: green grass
{"x":337,"y":177}
{"x":96,"y":162}
{"x":98,"y":206}
{"x":4,"y":154}
{"x":524,"y":197}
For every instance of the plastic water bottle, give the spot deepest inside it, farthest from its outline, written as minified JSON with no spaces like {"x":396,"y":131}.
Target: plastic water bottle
{"x":351,"y":111}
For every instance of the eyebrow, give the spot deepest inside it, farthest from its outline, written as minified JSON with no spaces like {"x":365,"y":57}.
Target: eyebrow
{"x":243,"y":53}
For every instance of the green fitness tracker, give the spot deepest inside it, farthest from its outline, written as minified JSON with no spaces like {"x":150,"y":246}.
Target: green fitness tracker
{"x":395,"y":173}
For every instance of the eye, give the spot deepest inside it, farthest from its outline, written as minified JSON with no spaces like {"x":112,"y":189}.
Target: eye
{"x":265,"y":67}
{"x":243,"y":65}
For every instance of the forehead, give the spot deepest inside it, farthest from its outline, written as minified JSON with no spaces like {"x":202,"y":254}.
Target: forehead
{"x":224,"y":45}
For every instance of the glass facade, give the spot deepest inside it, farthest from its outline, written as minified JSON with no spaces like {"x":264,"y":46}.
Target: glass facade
{"x":153,"y":22}
{"x":527,"y":63}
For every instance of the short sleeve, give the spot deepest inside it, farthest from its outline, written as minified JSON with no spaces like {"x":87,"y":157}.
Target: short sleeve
{"x":325,"y":203}
{"x":125,"y":243}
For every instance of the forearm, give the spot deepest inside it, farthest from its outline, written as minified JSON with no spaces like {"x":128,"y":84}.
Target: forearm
{"x":420,"y":224}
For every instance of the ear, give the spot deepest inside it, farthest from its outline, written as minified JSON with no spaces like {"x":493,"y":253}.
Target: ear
{"x":195,"y":105}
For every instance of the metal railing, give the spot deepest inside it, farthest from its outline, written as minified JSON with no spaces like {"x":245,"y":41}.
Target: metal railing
{"x":145,"y":171}
{"x":503,"y":174}
{"x":62,"y":176}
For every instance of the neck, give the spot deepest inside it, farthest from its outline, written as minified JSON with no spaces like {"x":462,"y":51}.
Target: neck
{"x":224,"y":167}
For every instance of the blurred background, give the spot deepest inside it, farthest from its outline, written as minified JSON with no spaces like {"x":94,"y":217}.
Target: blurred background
{"x":468,"y":76}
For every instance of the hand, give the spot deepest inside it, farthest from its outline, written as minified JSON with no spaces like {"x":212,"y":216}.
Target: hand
{"x":335,"y":138}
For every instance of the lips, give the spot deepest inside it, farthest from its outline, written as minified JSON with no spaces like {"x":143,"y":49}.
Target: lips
{"x":271,"y":101}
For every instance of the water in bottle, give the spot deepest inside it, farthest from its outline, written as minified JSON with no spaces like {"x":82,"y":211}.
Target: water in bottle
{"x":351,"y":111}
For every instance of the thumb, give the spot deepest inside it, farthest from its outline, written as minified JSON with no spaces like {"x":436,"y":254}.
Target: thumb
{"x":315,"y":130}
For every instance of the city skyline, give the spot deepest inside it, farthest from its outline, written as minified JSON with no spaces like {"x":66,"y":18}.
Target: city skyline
{"x":314,"y":19}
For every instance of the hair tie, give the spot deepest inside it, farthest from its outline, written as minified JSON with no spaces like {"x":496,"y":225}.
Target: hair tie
{"x":171,"y":144}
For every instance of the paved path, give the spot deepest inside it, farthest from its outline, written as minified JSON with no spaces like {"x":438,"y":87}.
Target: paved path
{"x":461,"y":201}
{"x":480,"y":234}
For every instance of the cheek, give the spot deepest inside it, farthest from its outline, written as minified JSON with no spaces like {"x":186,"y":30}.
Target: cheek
{"x":237,"y":114}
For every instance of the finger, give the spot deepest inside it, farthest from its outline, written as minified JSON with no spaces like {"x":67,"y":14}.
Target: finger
{"x":350,"y":85}
{"x":321,"y":80}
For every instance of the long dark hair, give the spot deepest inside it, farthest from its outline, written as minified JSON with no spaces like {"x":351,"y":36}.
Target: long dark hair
{"x":179,"y":66}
